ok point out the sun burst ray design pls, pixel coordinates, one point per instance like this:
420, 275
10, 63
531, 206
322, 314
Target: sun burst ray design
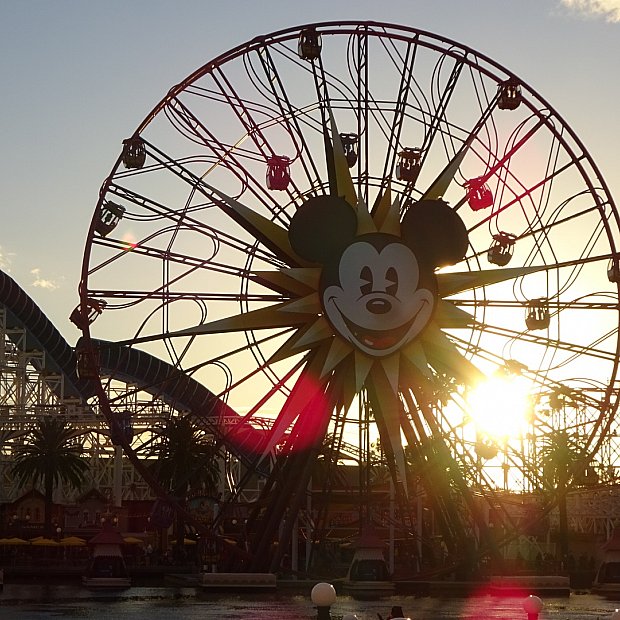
344, 181
413, 366
338, 351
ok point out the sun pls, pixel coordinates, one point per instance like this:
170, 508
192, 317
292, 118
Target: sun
367, 303
501, 405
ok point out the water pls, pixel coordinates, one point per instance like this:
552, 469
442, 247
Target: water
32, 602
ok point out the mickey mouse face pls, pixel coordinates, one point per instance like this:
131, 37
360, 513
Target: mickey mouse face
376, 302
378, 290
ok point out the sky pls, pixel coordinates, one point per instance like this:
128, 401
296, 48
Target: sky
79, 77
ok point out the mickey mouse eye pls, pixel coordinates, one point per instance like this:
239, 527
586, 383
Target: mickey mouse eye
391, 276
366, 278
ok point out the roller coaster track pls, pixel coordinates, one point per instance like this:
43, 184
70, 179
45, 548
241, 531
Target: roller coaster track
23, 316
34, 352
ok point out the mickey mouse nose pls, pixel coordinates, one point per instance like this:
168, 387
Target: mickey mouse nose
378, 306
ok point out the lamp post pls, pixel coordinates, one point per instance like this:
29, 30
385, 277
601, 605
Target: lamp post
323, 595
19, 524
532, 606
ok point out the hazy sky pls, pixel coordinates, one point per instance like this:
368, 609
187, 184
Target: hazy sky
78, 77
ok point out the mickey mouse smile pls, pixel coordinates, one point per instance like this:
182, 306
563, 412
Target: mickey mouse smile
376, 341
376, 303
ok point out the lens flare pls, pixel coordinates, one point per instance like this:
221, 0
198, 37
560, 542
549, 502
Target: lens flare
129, 241
501, 406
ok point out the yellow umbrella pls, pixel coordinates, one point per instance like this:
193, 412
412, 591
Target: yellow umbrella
132, 540
45, 542
14, 541
186, 541
72, 541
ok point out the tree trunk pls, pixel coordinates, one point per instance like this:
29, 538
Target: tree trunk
48, 489
179, 551
562, 489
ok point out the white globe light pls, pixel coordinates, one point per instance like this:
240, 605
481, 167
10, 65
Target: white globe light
323, 595
532, 604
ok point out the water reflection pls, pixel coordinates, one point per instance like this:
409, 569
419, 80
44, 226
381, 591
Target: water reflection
32, 602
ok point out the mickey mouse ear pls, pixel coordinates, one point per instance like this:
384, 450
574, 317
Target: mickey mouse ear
435, 232
322, 227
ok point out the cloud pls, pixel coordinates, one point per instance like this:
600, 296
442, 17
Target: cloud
5, 260
609, 10
40, 282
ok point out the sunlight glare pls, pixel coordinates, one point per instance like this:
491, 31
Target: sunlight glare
500, 406
129, 241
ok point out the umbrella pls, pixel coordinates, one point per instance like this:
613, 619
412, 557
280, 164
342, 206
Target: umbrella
132, 540
72, 541
45, 542
186, 541
13, 541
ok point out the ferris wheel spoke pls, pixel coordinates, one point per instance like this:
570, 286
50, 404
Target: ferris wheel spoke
309, 386
322, 97
177, 371
550, 343
281, 315
503, 162
273, 236
278, 387
554, 306
541, 237
489, 354
243, 115
439, 186
171, 296
526, 192
539, 228
254, 129
188, 220
163, 255
270, 234
217, 235
224, 153
395, 125
439, 114
360, 61
288, 114
338, 173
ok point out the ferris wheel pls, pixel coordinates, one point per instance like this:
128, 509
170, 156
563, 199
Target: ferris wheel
355, 225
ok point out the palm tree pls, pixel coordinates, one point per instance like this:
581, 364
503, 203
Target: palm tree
50, 454
559, 455
187, 460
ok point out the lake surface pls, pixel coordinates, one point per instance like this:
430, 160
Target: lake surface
35, 602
